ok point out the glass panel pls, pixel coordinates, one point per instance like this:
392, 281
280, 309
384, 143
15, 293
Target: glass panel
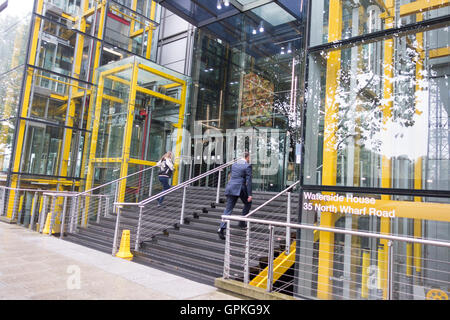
42, 149
374, 122
14, 29
357, 266
129, 31
342, 19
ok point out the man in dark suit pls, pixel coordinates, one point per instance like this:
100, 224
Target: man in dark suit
239, 186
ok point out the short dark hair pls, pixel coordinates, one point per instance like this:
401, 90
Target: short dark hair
246, 154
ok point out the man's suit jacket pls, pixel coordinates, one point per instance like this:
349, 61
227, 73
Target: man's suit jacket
241, 177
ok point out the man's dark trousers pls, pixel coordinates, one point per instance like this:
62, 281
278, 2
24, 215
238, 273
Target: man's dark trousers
231, 202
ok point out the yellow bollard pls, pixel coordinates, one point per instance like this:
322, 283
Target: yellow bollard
124, 250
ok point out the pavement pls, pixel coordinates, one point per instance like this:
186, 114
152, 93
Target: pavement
34, 266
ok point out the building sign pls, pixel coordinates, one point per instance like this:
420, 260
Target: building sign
349, 204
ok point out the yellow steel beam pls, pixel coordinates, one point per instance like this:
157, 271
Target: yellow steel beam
94, 132
132, 26
105, 160
329, 168
59, 97
26, 101
179, 141
439, 53
161, 74
128, 134
421, 6
113, 99
120, 80
280, 265
68, 17
159, 95
417, 246
386, 162
170, 86
142, 162
150, 31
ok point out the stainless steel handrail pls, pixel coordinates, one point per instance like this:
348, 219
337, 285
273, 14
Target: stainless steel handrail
142, 204
272, 224
177, 187
273, 198
343, 231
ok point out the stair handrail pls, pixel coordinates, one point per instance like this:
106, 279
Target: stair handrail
141, 205
177, 187
273, 198
114, 181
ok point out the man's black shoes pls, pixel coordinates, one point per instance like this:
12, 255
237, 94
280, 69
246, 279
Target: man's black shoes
220, 233
242, 226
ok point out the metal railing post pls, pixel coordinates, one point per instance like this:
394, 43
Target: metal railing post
15, 204
33, 211
247, 255
63, 218
52, 215
116, 232
218, 186
106, 206
2, 203
138, 231
73, 213
19, 210
182, 206
99, 209
390, 270
43, 215
226, 261
270, 261
288, 220
150, 189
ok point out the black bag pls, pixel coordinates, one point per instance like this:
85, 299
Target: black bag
164, 170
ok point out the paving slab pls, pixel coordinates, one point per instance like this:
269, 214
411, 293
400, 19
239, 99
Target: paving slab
34, 266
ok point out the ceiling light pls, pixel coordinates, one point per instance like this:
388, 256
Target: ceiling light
254, 31
289, 48
226, 3
261, 27
282, 50
219, 4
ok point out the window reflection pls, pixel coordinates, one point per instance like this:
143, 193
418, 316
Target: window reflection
376, 121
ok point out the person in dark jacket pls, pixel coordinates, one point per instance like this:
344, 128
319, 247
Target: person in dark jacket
165, 172
239, 186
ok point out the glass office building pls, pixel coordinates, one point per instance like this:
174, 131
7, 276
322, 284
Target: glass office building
351, 97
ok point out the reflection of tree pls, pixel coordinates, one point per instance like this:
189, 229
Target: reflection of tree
361, 96
13, 44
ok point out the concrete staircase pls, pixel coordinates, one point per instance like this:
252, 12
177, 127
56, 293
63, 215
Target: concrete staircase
193, 249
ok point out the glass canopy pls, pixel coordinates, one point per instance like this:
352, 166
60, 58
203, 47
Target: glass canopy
204, 12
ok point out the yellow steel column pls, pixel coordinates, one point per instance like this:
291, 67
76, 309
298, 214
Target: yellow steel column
132, 26
94, 131
128, 133
329, 168
386, 162
179, 141
150, 31
417, 251
26, 101
102, 8
77, 70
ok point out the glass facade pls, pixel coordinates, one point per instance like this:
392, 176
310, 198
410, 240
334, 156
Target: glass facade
376, 128
48, 54
349, 97
246, 75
